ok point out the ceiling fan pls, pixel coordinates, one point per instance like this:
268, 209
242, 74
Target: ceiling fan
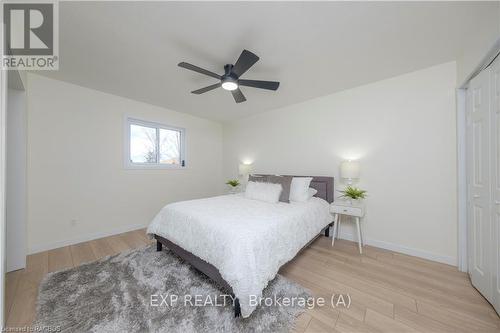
231, 79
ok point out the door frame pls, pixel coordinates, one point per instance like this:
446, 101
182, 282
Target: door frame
462, 253
461, 93
3, 109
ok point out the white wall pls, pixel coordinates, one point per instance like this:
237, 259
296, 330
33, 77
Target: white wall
403, 130
75, 164
16, 180
3, 111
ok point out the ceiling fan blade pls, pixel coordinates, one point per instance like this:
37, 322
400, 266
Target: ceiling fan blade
246, 60
204, 90
198, 70
269, 85
238, 96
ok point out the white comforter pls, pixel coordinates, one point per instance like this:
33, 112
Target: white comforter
246, 240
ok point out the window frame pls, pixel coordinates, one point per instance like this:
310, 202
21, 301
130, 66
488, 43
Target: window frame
129, 121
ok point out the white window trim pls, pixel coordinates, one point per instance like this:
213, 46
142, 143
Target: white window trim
145, 166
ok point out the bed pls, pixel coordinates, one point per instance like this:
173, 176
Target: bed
240, 243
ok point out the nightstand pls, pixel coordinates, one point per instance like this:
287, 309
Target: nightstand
345, 208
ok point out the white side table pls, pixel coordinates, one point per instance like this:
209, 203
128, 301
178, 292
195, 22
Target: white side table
354, 209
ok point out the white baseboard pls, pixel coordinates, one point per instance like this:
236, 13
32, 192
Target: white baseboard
403, 249
83, 238
373, 242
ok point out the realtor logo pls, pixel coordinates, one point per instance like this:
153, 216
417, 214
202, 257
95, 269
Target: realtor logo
30, 36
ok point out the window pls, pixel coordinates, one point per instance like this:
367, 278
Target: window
155, 146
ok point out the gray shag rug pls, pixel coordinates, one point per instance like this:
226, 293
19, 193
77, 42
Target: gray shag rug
114, 295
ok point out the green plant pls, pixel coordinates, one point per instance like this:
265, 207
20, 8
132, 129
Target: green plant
353, 193
233, 182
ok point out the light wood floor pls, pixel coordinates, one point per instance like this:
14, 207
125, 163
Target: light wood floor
390, 292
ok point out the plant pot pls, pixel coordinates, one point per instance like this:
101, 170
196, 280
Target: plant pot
353, 202
233, 189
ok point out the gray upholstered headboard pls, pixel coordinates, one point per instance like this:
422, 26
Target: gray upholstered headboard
324, 186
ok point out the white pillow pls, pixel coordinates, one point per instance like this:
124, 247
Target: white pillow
263, 191
299, 190
311, 192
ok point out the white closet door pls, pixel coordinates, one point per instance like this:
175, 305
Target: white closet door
478, 128
495, 175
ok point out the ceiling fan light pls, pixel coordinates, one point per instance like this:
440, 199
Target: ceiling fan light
229, 85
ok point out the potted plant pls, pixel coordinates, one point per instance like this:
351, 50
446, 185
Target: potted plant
233, 185
353, 193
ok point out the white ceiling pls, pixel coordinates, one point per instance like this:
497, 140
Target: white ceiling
132, 49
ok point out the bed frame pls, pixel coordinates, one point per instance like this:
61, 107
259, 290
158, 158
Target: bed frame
324, 186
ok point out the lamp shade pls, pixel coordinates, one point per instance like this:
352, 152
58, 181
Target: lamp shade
244, 169
349, 169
